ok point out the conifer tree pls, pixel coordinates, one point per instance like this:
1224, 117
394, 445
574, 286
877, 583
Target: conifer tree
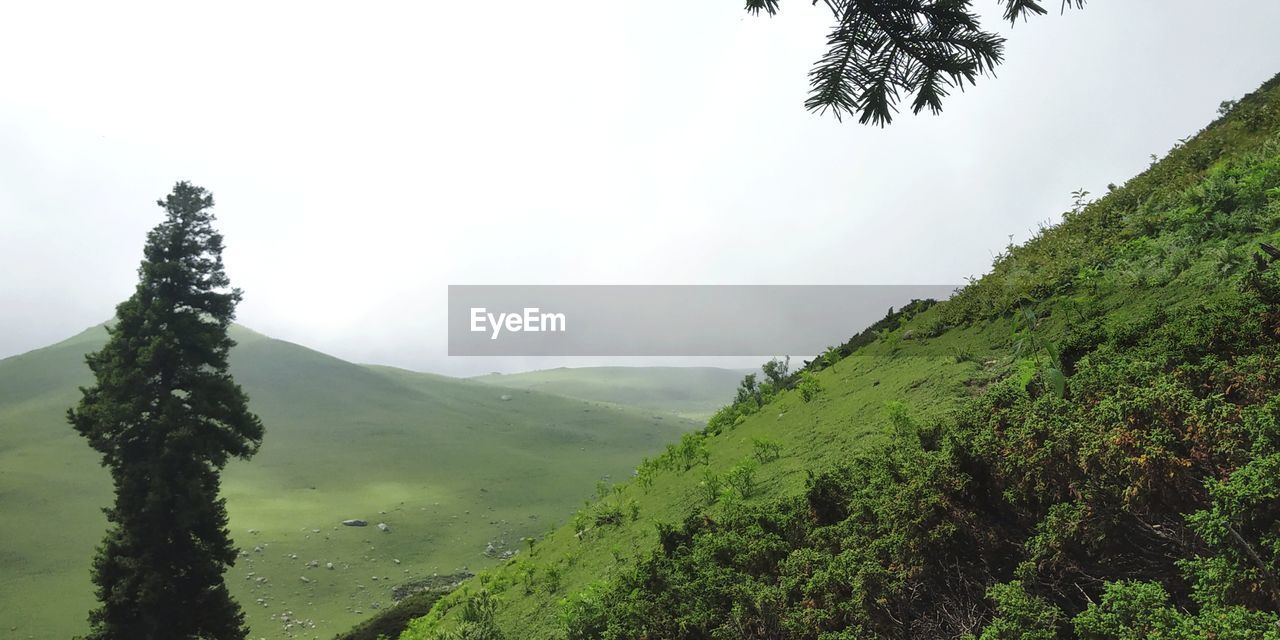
882, 49
167, 416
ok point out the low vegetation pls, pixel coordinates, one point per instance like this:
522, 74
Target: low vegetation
414, 451
1084, 443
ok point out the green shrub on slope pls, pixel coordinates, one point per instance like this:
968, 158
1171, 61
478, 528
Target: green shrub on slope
1134, 496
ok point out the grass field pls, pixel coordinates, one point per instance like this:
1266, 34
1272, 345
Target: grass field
847, 416
1174, 243
447, 464
693, 392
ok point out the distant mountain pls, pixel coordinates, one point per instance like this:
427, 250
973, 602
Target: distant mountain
694, 392
455, 468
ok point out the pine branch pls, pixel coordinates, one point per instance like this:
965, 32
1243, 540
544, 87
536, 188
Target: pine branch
882, 50
755, 6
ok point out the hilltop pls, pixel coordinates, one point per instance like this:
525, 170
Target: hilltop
1082, 443
459, 471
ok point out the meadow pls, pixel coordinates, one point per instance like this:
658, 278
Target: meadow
458, 471
1082, 443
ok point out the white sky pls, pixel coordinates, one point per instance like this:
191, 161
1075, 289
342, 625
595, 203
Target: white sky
364, 156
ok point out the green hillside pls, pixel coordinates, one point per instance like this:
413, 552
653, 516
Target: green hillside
694, 392
448, 465
1083, 443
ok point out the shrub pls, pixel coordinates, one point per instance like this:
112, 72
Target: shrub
765, 450
742, 478
808, 386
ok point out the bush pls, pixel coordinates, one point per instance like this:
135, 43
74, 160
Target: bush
765, 450
742, 478
808, 386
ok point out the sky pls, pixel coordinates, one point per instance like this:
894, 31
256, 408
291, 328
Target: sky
365, 156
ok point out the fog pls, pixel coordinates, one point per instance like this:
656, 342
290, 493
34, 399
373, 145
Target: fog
363, 159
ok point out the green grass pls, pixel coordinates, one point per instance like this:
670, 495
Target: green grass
446, 463
1172, 239
692, 392
847, 416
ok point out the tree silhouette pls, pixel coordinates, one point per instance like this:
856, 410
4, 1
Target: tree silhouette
167, 417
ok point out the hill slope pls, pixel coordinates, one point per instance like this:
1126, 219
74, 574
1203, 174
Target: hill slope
1085, 443
448, 464
693, 392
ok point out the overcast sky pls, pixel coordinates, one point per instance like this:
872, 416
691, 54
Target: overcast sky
365, 155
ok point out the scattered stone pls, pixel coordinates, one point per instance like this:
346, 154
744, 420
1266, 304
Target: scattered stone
382, 526
504, 397
355, 522
305, 579
328, 565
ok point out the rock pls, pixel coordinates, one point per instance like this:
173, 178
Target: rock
329, 566
305, 579
382, 526
396, 560
355, 522
504, 397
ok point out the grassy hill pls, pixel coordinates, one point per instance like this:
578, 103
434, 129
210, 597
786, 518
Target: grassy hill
448, 464
1083, 443
693, 392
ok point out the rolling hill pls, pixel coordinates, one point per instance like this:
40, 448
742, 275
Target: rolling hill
693, 392
1083, 443
459, 472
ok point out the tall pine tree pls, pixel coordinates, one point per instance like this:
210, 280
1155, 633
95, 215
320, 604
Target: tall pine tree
167, 417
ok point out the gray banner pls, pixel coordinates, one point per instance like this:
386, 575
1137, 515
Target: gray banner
667, 320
